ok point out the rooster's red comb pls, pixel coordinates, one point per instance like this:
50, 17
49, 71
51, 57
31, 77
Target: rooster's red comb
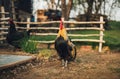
61, 24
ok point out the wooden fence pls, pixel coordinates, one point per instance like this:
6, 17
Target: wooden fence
3, 24
100, 29
28, 23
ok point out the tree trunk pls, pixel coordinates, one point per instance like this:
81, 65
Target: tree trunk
66, 8
69, 7
63, 6
98, 5
89, 9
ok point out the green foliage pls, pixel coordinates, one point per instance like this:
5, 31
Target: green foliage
115, 25
112, 39
28, 46
112, 36
43, 38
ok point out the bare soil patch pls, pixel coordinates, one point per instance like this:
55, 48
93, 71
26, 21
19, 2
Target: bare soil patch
88, 65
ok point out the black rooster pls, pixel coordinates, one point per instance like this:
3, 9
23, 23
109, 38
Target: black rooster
14, 37
64, 47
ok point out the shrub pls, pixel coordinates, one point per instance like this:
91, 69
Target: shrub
28, 46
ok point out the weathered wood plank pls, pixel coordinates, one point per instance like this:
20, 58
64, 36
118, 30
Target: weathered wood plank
2, 38
3, 33
101, 33
82, 35
73, 22
56, 28
3, 19
74, 40
4, 12
12, 60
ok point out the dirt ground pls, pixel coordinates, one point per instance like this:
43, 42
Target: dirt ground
88, 65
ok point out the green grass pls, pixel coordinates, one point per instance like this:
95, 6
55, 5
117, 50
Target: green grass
115, 25
43, 38
112, 36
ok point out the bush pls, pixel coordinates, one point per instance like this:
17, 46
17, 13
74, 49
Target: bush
28, 46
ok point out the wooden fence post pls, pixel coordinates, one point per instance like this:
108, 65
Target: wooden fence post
2, 16
13, 9
28, 24
101, 34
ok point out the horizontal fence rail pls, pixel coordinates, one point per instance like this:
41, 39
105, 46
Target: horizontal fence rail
85, 35
56, 28
2, 19
4, 12
69, 22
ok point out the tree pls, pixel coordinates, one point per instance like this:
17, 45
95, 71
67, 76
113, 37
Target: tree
66, 8
89, 7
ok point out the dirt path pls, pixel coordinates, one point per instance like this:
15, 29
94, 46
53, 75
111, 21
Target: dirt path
88, 65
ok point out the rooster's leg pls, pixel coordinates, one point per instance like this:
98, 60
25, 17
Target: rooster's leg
66, 63
63, 62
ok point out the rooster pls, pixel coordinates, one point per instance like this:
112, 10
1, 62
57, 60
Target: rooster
14, 37
64, 47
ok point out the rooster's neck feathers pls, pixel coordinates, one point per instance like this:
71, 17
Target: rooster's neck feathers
12, 28
61, 25
62, 31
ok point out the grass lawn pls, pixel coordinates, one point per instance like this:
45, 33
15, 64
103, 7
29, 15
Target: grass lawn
112, 36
